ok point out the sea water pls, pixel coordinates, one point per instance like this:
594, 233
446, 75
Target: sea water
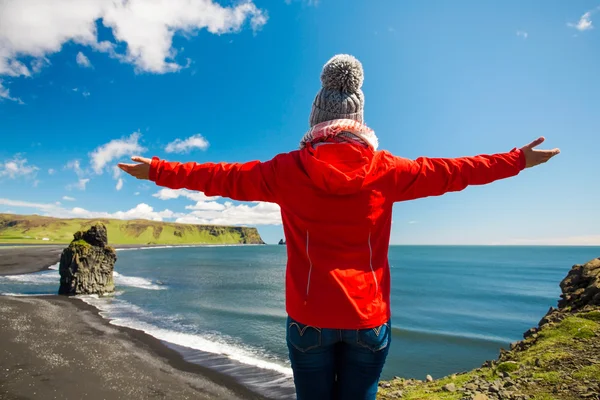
453, 306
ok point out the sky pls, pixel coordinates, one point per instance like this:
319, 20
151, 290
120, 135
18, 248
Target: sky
85, 84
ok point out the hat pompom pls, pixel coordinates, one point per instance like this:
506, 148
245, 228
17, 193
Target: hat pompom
343, 72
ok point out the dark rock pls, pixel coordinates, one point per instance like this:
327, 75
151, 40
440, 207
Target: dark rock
282, 242
86, 267
96, 236
581, 287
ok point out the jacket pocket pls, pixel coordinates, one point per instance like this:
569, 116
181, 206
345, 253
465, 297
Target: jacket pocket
374, 339
303, 337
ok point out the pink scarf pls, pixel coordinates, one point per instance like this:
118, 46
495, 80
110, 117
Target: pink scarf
336, 127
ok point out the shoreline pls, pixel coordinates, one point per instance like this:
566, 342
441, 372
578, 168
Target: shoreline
39, 351
20, 260
39, 257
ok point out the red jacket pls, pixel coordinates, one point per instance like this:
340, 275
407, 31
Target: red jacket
336, 204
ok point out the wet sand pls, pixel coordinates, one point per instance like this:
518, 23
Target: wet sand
54, 347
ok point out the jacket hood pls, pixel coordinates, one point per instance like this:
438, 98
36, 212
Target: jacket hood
337, 168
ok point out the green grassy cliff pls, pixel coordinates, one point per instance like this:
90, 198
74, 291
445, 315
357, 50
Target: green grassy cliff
29, 229
559, 359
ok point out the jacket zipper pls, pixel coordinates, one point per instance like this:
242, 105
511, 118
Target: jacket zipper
309, 269
371, 265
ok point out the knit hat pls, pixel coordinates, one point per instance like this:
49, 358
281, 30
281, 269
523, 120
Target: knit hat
341, 96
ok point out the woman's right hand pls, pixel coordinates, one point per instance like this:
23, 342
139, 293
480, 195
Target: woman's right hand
141, 170
536, 157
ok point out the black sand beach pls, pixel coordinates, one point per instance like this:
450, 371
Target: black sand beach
16, 260
53, 347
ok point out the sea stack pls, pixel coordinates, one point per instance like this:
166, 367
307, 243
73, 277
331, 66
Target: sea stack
86, 266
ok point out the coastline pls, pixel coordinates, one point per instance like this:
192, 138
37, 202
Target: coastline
39, 354
39, 257
50, 343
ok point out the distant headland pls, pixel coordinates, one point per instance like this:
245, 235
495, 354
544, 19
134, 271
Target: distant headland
35, 229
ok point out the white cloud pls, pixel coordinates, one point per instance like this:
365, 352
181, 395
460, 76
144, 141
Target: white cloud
169, 194
38, 64
227, 214
412, 222
136, 194
114, 150
523, 34
80, 184
5, 94
75, 165
17, 167
116, 172
67, 198
86, 94
83, 61
27, 204
51, 171
584, 23
208, 211
144, 29
206, 206
243, 214
119, 184
141, 211
186, 145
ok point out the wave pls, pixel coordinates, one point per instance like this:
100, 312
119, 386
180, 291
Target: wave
138, 282
52, 277
450, 337
38, 278
122, 313
55, 266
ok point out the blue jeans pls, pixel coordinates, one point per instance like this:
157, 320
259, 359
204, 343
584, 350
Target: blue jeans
340, 364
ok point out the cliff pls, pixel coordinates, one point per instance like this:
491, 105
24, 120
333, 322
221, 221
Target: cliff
558, 359
37, 229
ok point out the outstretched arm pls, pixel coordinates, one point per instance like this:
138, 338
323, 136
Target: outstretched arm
426, 177
252, 181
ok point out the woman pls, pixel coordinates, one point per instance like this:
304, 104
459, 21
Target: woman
336, 195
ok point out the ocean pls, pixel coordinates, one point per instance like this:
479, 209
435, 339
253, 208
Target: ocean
453, 307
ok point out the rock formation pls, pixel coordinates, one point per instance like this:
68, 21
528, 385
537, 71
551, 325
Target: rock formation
559, 359
581, 287
86, 266
282, 242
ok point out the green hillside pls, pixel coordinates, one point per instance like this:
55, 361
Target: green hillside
29, 229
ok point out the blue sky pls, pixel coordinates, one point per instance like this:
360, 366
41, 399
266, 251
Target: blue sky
86, 84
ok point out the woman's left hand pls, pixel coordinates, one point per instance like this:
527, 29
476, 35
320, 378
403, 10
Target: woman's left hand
140, 170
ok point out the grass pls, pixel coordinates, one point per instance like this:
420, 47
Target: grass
549, 377
592, 316
32, 229
591, 372
554, 343
81, 243
508, 366
434, 390
543, 396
